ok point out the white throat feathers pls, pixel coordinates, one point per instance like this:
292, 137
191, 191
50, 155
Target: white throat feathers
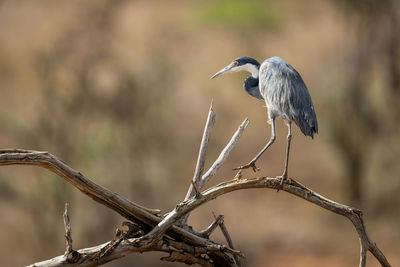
249, 68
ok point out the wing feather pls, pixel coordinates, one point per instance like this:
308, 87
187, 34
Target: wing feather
286, 95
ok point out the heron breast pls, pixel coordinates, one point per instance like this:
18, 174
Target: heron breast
277, 102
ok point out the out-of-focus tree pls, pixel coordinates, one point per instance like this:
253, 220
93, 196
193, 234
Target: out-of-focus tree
89, 105
359, 120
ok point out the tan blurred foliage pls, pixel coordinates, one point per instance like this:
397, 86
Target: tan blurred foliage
120, 91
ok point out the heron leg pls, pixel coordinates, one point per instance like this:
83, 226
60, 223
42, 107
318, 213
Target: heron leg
289, 138
252, 163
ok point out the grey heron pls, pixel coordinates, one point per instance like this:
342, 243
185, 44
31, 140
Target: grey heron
285, 94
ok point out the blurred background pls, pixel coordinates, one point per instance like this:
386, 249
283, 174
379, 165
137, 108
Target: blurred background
120, 91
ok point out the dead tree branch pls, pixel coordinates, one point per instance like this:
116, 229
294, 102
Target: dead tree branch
148, 231
224, 154
194, 187
207, 232
146, 218
70, 255
198, 181
8, 157
67, 225
228, 239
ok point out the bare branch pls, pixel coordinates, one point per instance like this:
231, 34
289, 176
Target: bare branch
224, 153
144, 217
114, 201
67, 226
121, 246
226, 234
228, 238
70, 255
291, 186
217, 164
202, 155
180, 257
207, 232
162, 233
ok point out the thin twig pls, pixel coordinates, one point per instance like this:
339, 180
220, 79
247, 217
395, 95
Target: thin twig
194, 188
228, 238
226, 235
67, 226
224, 154
70, 255
207, 232
216, 165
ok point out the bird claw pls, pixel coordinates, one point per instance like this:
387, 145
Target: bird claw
250, 164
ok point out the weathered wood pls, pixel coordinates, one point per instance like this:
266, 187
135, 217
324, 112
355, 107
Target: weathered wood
152, 232
224, 154
148, 242
145, 217
207, 232
194, 187
70, 255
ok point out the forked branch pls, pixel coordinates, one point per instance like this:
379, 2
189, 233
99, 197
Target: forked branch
148, 231
194, 187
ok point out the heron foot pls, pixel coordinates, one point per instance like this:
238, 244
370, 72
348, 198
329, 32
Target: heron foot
251, 164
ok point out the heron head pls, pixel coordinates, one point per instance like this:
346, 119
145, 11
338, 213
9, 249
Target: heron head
241, 63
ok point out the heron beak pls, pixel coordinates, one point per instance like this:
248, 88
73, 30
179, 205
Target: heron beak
227, 69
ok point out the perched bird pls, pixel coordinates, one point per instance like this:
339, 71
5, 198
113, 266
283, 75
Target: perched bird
284, 92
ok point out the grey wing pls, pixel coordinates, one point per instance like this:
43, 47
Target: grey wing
301, 108
287, 95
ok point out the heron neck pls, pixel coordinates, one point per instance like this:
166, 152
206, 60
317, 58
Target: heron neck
251, 87
253, 69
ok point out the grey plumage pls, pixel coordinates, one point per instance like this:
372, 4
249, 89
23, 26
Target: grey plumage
285, 94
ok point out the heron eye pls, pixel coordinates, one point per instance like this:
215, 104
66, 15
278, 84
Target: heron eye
235, 63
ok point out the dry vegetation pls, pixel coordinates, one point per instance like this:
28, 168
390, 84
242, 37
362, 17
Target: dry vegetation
119, 90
